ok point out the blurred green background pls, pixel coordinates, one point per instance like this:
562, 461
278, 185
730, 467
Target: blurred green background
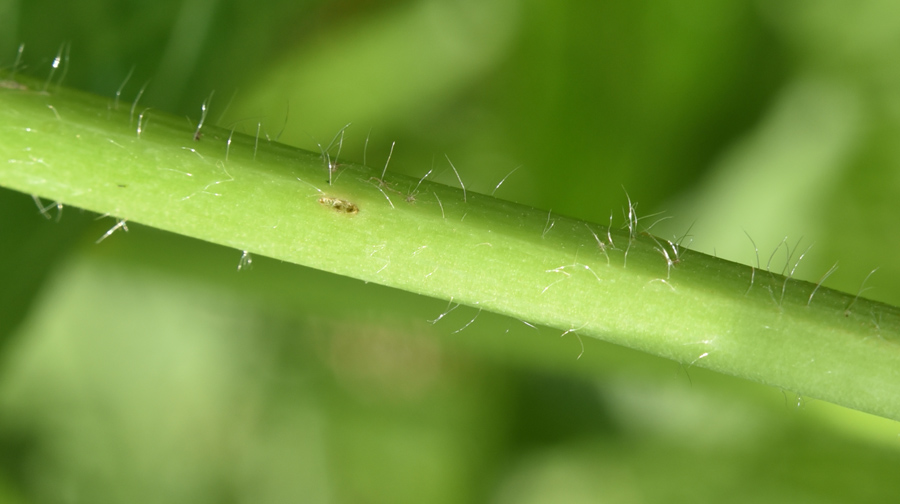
148, 368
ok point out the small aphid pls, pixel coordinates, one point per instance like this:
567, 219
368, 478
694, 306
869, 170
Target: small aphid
339, 205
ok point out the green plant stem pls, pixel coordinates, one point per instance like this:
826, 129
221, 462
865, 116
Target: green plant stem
619, 285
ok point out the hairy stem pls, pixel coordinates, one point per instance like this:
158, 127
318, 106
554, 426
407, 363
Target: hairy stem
620, 285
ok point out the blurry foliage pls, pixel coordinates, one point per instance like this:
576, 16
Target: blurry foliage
147, 369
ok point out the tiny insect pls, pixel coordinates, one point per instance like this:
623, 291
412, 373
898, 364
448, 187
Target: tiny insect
339, 205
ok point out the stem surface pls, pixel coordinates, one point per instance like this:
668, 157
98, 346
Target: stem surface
619, 285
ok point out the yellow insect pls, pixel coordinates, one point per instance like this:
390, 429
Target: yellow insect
339, 205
